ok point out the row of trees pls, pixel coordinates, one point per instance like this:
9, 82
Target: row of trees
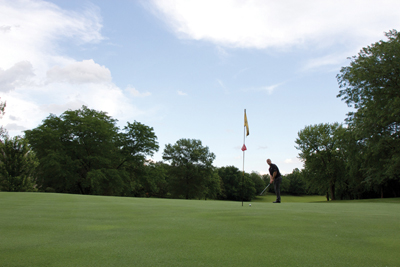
83, 151
361, 159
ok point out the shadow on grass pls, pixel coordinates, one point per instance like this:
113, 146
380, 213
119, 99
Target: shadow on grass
270, 197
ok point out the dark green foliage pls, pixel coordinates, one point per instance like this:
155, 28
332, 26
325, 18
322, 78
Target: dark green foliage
190, 170
17, 165
3, 132
371, 84
155, 180
214, 186
259, 183
83, 151
323, 160
297, 184
231, 179
266, 179
236, 184
363, 159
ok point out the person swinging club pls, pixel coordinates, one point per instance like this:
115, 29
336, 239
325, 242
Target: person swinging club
276, 178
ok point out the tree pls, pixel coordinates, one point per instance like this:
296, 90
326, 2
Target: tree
154, 182
190, 168
320, 151
83, 151
296, 183
371, 84
352, 151
266, 178
249, 187
236, 184
17, 165
3, 132
259, 183
214, 186
231, 178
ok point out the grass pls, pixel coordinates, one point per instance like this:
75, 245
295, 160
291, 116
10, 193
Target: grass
38, 229
298, 199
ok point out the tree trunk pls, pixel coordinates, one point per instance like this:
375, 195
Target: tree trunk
187, 188
332, 190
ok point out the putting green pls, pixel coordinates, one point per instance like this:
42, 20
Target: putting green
38, 229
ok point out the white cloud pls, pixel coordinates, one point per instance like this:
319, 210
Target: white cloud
5, 29
181, 93
288, 161
135, 93
268, 23
86, 71
221, 83
14, 127
293, 161
331, 60
269, 88
60, 108
32, 30
14, 76
222, 52
38, 79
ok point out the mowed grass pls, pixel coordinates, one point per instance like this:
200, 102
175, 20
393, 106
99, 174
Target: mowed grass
38, 229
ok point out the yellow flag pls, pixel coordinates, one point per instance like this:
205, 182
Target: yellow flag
246, 124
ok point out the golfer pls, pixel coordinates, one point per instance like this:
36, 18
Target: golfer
276, 178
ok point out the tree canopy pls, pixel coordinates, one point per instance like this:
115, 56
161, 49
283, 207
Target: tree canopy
320, 151
83, 151
371, 84
17, 165
3, 131
190, 167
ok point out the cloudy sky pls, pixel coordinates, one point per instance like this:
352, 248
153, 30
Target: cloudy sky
188, 68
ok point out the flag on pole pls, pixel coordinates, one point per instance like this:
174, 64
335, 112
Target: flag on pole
244, 148
246, 124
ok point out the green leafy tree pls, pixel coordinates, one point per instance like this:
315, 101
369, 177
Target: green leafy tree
190, 168
83, 151
352, 151
297, 185
249, 187
17, 165
371, 84
236, 184
155, 179
231, 178
3, 132
320, 151
214, 186
259, 183
266, 178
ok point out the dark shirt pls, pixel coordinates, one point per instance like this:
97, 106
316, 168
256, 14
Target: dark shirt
273, 168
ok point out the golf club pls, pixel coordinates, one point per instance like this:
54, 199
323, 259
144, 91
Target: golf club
264, 189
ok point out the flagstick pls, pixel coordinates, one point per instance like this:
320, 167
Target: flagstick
244, 143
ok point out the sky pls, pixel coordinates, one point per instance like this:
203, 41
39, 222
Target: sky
189, 69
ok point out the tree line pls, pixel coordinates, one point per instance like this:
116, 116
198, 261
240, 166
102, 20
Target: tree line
85, 152
360, 159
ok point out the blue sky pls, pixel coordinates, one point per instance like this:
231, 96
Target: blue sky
188, 68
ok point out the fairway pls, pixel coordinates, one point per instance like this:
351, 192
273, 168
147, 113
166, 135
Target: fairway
39, 229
